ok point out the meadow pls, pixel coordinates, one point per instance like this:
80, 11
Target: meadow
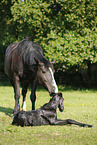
79, 104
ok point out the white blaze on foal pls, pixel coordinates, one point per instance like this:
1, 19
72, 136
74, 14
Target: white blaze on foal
53, 80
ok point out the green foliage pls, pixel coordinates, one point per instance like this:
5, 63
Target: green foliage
29, 18
6, 28
66, 30
72, 48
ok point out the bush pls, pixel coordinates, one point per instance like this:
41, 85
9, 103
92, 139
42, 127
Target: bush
66, 30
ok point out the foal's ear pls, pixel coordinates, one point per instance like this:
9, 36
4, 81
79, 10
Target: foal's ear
60, 94
52, 94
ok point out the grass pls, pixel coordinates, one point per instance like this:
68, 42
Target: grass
80, 105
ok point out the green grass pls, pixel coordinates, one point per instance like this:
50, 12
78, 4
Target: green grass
80, 105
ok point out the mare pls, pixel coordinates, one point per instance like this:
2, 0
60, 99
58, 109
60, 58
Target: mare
26, 64
45, 115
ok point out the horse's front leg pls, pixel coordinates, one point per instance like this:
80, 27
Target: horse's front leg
33, 93
24, 92
15, 84
70, 121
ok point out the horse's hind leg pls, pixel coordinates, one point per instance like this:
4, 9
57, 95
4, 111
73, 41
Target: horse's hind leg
24, 91
15, 84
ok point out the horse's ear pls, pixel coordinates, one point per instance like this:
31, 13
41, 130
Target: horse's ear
39, 62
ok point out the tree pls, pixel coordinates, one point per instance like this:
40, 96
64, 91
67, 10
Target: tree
66, 30
6, 28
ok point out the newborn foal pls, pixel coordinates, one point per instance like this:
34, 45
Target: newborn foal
46, 115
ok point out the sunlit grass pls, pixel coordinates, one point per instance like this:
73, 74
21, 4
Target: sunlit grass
80, 105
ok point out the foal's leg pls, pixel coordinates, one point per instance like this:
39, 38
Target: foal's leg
33, 94
69, 121
24, 91
15, 84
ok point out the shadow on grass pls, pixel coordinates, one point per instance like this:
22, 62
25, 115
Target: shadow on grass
7, 111
41, 88
5, 83
61, 88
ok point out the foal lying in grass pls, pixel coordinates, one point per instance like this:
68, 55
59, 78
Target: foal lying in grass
46, 115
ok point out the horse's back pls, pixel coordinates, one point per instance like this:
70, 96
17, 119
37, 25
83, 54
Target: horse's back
22, 58
11, 48
8, 56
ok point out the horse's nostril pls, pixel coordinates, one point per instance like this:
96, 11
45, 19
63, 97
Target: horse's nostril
53, 89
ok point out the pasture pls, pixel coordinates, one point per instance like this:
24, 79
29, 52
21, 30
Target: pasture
80, 105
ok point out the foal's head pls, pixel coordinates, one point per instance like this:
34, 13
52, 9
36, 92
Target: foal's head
59, 100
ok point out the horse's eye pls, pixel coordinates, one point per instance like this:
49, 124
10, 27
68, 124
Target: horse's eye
43, 72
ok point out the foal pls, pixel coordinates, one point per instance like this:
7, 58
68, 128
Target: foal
46, 115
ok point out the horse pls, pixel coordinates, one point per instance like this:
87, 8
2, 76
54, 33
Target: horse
26, 64
45, 115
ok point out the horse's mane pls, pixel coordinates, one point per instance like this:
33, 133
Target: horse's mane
31, 52
28, 44
11, 48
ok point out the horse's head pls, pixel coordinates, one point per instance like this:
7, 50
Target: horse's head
45, 75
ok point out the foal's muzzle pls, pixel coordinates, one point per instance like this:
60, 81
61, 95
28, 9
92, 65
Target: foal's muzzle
61, 109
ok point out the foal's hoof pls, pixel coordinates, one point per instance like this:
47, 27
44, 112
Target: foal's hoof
87, 125
90, 126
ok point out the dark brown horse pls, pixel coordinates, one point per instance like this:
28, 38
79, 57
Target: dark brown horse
25, 63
